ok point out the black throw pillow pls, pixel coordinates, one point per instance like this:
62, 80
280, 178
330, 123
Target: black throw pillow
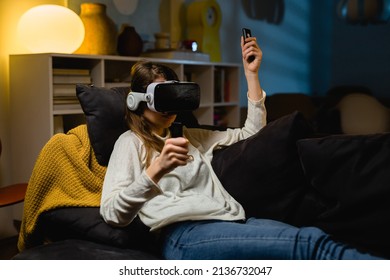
264, 173
105, 111
353, 172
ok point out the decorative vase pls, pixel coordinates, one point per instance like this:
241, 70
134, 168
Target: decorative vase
100, 31
163, 41
129, 41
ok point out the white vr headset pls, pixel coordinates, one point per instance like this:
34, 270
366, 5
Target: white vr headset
168, 96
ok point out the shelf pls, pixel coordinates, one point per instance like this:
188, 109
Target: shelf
68, 111
223, 104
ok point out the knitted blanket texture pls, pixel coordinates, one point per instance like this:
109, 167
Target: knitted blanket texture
66, 174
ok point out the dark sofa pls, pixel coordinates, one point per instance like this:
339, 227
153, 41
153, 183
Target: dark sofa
305, 177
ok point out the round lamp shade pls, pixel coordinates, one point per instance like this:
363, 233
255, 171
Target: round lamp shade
51, 28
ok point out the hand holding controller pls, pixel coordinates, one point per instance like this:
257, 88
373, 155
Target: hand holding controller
177, 131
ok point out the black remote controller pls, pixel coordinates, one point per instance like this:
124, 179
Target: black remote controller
176, 129
246, 33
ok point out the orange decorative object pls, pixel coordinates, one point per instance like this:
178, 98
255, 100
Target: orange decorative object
204, 19
100, 31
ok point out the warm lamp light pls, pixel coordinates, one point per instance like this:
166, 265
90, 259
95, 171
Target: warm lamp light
51, 28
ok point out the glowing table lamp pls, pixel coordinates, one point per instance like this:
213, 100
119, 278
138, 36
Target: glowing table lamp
51, 28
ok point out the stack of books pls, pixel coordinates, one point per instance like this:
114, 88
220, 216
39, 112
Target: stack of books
221, 86
64, 86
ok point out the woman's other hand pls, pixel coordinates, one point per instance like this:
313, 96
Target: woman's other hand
251, 54
251, 59
173, 154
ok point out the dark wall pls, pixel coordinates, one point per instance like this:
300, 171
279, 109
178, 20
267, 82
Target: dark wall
348, 54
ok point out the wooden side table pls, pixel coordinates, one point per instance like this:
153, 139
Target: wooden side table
12, 194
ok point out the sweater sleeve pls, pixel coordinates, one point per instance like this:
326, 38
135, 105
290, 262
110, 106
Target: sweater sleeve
126, 186
207, 140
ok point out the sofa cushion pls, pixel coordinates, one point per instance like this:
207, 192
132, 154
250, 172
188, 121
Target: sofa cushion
264, 173
85, 223
74, 249
352, 171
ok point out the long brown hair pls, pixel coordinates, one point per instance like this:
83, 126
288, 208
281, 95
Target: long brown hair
144, 73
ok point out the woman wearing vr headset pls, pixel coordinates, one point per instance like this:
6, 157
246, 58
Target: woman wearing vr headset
170, 184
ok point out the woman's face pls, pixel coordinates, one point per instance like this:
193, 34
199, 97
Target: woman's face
160, 121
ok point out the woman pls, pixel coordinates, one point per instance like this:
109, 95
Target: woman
170, 184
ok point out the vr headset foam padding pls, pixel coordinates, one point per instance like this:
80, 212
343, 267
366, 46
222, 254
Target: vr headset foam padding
169, 96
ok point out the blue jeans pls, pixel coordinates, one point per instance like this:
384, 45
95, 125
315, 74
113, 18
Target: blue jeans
253, 239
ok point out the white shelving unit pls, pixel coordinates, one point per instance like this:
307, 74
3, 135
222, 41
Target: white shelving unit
35, 115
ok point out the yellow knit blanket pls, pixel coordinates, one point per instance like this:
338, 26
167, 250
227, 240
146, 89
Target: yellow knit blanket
66, 173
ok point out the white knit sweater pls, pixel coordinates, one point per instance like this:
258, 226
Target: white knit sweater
191, 192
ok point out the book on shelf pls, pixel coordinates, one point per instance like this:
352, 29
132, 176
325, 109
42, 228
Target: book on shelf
72, 120
65, 100
222, 86
219, 84
187, 77
58, 124
64, 90
67, 106
118, 84
73, 71
71, 79
220, 117
227, 91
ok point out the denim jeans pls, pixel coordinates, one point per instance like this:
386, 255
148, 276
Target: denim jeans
253, 239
